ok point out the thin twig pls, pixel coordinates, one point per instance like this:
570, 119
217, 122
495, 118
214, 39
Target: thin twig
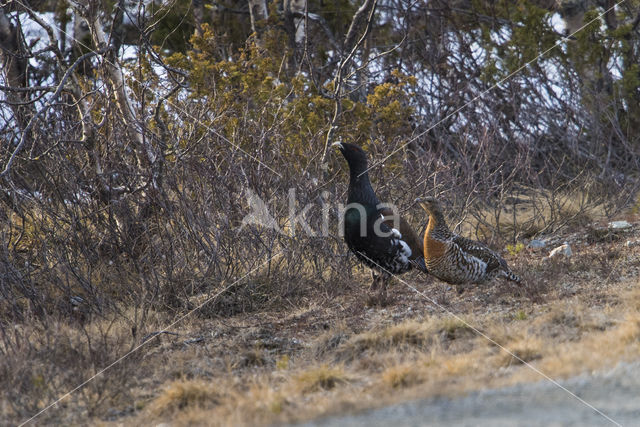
33, 120
370, 7
156, 333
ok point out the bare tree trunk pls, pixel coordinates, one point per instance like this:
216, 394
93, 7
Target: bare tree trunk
130, 218
258, 12
13, 57
198, 15
79, 44
146, 154
363, 16
295, 13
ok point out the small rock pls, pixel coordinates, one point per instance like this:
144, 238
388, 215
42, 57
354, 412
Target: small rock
632, 243
537, 244
76, 300
619, 225
562, 250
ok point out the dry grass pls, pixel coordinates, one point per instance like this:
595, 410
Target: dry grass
411, 334
523, 350
318, 358
401, 376
185, 395
535, 211
321, 378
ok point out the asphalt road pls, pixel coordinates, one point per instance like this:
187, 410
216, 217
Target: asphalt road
616, 393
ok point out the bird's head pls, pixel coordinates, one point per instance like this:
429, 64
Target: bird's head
355, 156
429, 204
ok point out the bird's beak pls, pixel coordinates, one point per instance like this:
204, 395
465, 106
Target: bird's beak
337, 145
424, 203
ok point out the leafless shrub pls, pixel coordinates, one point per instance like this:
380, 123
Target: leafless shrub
124, 190
536, 282
43, 364
137, 198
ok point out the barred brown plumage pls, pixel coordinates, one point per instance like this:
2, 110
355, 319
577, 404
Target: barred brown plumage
455, 259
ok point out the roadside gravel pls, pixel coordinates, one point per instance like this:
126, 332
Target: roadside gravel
616, 393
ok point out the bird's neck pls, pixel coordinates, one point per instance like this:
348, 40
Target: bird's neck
360, 190
437, 227
435, 237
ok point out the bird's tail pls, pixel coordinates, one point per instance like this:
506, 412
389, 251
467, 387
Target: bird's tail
511, 276
419, 264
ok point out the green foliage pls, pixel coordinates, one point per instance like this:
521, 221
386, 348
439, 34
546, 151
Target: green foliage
592, 55
174, 27
515, 249
255, 86
630, 81
528, 39
389, 104
520, 315
338, 13
588, 49
283, 363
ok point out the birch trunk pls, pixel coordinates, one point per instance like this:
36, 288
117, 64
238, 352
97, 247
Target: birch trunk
296, 9
258, 12
14, 68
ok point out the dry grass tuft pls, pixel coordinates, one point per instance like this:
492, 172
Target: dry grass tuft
453, 328
185, 394
592, 352
461, 364
411, 334
632, 300
566, 315
401, 376
327, 342
524, 350
252, 357
628, 332
320, 378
